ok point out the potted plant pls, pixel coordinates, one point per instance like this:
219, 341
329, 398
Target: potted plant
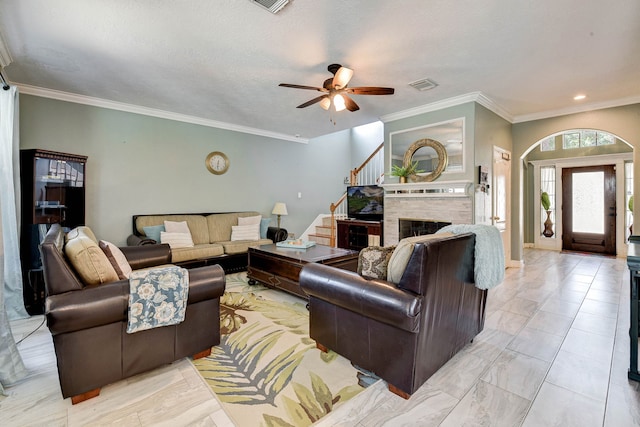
403, 172
630, 206
545, 201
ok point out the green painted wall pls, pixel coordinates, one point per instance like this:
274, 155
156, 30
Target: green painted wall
490, 131
140, 164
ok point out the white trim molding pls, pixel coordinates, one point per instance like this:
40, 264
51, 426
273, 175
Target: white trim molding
576, 109
450, 102
152, 112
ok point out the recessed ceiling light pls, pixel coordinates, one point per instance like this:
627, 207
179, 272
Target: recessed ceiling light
579, 97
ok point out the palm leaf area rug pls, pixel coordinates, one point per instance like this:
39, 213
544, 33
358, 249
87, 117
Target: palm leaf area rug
266, 370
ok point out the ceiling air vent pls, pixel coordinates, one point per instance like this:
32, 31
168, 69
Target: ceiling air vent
423, 84
272, 6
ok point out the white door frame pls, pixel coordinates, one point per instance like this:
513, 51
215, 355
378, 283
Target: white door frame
499, 155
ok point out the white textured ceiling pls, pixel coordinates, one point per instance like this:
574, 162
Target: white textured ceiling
222, 60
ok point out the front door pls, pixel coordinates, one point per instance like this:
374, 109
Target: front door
589, 209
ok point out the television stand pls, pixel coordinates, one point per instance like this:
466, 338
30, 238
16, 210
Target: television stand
357, 234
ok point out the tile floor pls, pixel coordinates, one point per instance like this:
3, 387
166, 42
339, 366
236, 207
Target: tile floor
554, 352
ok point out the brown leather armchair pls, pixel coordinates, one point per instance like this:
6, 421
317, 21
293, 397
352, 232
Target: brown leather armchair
88, 323
401, 332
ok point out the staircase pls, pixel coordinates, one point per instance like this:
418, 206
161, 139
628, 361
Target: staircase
371, 171
322, 236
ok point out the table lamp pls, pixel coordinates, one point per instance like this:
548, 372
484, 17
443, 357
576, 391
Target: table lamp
279, 209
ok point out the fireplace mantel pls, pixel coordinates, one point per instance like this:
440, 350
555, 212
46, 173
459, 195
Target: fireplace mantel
430, 189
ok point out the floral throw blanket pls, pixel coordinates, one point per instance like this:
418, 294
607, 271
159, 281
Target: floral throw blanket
157, 297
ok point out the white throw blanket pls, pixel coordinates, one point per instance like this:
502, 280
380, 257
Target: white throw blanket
489, 253
157, 297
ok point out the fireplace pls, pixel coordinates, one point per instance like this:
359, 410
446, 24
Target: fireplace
443, 202
409, 227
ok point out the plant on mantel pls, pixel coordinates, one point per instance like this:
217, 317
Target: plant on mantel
403, 172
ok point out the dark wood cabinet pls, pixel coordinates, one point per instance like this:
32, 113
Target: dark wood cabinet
52, 192
357, 234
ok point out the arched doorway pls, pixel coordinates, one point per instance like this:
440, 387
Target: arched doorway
562, 165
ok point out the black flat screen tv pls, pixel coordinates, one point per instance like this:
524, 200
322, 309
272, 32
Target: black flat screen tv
365, 202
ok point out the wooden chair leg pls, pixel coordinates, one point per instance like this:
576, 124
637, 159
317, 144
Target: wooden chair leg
322, 348
395, 390
202, 354
84, 396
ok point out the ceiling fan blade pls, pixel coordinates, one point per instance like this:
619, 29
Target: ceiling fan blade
350, 103
342, 77
313, 101
319, 89
370, 90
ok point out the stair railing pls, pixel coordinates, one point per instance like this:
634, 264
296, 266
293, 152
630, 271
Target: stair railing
369, 172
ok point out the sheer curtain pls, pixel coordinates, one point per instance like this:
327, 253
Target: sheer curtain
11, 303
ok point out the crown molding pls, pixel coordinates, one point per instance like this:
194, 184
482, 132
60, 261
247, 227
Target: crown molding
5, 55
489, 104
450, 102
582, 108
152, 112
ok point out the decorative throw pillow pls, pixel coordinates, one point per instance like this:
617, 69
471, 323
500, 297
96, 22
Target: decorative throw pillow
245, 232
402, 254
249, 220
264, 226
153, 231
373, 261
176, 240
89, 261
399, 260
177, 227
116, 258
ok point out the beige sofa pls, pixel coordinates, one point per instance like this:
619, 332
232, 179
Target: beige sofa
212, 238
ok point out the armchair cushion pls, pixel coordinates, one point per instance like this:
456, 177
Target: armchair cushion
373, 261
86, 257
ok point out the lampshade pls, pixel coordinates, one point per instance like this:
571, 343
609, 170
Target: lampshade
325, 103
279, 209
342, 77
338, 102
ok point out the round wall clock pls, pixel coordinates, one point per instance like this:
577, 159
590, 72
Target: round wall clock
217, 162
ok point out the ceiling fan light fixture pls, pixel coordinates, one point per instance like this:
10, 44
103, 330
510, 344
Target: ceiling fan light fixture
338, 102
325, 103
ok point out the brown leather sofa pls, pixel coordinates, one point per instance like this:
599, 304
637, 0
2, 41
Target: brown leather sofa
88, 323
402, 332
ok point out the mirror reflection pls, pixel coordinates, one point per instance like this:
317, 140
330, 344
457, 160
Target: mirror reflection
450, 134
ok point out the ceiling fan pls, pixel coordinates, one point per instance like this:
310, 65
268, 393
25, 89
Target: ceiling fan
336, 91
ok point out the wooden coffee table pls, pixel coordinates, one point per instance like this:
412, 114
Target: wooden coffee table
279, 268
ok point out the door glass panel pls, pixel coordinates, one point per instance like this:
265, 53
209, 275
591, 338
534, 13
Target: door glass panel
588, 202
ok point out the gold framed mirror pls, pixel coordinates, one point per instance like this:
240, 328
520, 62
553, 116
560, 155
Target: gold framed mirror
432, 157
